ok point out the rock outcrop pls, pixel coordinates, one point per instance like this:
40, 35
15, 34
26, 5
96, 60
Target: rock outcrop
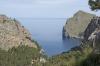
76, 25
84, 26
92, 28
13, 34
92, 33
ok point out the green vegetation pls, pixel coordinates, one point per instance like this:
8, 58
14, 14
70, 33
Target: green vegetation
84, 57
36, 43
71, 58
28, 56
92, 60
94, 4
20, 56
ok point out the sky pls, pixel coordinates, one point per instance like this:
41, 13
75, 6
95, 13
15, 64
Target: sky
43, 8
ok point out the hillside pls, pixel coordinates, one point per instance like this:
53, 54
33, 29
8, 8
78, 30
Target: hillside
13, 34
16, 46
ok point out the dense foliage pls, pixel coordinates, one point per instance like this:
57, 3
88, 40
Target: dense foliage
71, 58
94, 4
20, 56
27, 56
92, 60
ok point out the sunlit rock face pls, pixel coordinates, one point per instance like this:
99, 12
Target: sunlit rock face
13, 34
76, 25
84, 26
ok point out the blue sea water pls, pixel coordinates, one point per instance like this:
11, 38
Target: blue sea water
48, 33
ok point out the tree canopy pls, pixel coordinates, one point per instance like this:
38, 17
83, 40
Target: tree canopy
94, 4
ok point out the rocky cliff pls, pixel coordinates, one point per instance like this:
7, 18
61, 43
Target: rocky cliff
84, 26
13, 34
76, 25
92, 33
88, 53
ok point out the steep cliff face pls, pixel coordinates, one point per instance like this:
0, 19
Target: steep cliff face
76, 25
92, 28
84, 26
13, 34
88, 53
92, 33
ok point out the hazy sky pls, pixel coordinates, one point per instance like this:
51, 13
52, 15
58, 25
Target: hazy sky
43, 8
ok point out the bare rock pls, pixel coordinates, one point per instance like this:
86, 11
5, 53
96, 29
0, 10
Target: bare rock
76, 25
13, 34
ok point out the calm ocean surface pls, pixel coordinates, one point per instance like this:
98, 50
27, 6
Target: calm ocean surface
48, 33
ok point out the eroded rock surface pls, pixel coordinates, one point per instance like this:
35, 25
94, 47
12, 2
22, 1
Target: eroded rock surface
76, 25
13, 34
92, 33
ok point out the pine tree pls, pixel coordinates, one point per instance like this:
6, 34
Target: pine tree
94, 4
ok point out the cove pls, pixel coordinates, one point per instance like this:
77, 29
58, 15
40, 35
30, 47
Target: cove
48, 33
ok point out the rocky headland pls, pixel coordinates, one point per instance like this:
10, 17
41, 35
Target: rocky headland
76, 25
84, 26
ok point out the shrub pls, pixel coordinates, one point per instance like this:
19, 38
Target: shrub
20, 56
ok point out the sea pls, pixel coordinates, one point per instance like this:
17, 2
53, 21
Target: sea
48, 33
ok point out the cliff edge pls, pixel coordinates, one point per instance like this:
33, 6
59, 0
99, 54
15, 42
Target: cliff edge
13, 34
76, 25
